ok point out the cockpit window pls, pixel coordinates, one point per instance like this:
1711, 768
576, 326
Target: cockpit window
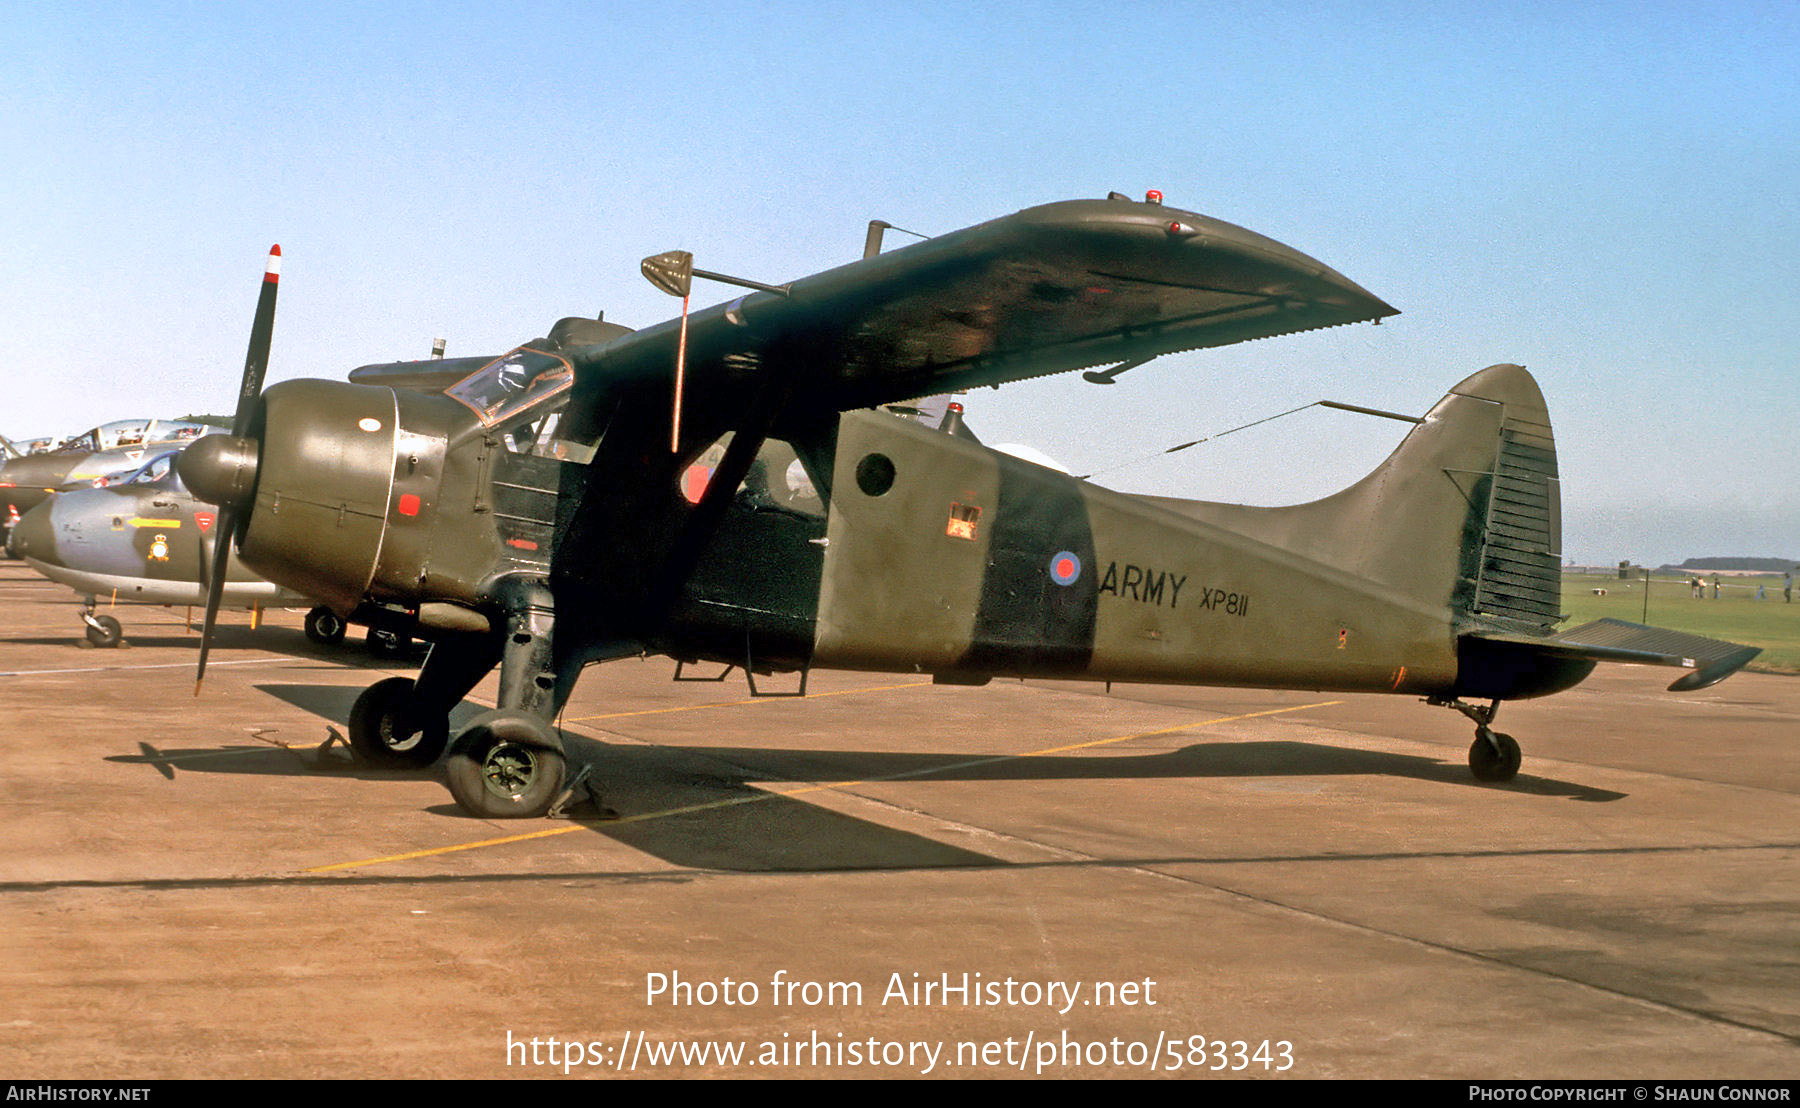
154, 471
510, 385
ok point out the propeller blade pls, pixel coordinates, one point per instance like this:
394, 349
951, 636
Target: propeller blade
215, 588
256, 365
262, 331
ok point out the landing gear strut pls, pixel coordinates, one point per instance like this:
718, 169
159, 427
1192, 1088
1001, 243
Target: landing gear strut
1493, 756
509, 763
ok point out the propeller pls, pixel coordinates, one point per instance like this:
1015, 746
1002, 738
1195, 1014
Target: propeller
256, 364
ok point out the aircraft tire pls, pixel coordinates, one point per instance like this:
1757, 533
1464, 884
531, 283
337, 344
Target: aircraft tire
384, 730
108, 634
1488, 764
325, 626
506, 765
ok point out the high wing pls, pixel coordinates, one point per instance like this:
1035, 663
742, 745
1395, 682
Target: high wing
1053, 288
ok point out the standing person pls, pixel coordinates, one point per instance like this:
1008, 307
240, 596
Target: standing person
1787, 588
1715, 586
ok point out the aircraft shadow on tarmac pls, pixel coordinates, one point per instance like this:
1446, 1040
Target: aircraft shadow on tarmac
722, 808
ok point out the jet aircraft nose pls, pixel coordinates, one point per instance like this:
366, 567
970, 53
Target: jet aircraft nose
34, 536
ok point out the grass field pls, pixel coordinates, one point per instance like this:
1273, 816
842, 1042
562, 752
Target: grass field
1737, 616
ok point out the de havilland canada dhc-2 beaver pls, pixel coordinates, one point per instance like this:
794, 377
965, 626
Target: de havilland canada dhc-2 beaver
528, 511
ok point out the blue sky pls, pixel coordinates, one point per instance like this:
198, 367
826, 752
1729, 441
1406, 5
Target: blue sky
1606, 193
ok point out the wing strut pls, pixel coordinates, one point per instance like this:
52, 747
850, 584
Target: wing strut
674, 273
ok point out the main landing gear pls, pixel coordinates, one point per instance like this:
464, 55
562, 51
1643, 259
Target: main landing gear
391, 727
1493, 756
507, 763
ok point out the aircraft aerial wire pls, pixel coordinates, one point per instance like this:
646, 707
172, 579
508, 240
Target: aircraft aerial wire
1357, 408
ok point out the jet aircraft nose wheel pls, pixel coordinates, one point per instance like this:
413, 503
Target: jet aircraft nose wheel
325, 626
1494, 756
388, 727
105, 631
506, 765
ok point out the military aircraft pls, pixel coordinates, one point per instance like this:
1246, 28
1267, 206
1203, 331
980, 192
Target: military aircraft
542, 546
145, 539
105, 453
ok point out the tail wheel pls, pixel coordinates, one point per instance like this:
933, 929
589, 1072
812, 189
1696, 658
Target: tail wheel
389, 728
325, 626
105, 631
1494, 756
506, 765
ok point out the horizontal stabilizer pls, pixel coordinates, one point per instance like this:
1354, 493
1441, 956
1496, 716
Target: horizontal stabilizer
1614, 640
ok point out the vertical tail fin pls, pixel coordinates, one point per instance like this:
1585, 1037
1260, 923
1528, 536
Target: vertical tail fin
1465, 513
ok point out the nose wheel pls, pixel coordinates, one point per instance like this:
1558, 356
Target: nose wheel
325, 626
104, 631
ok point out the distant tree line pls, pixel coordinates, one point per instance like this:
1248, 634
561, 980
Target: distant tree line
1762, 565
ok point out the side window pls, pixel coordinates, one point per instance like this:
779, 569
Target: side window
776, 480
541, 438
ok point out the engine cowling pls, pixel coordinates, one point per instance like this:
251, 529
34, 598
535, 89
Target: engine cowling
326, 481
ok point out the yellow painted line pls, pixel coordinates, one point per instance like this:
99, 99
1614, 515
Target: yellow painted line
168, 524
748, 700
777, 795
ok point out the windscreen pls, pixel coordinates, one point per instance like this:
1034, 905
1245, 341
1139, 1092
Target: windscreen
513, 384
